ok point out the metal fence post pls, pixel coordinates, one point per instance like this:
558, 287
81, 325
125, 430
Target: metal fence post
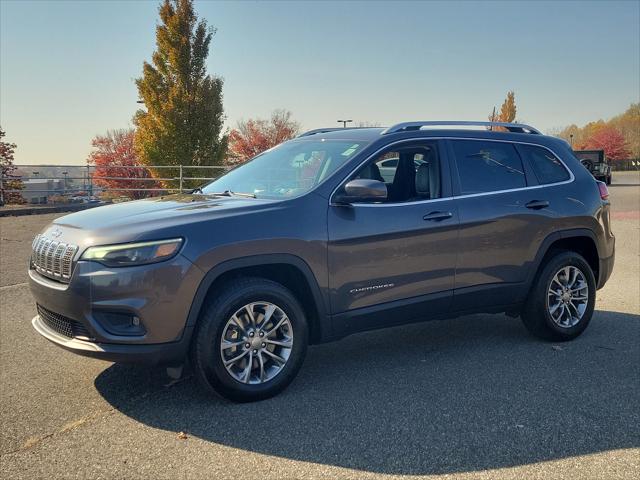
180, 178
90, 180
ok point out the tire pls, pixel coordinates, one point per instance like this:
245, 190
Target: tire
266, 376
587, 164
558, 326
608, 181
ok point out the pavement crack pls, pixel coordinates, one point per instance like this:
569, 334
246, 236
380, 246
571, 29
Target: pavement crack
33, 442
13, 285
67, 427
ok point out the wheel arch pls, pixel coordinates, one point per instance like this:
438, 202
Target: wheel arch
289, 270
582, 241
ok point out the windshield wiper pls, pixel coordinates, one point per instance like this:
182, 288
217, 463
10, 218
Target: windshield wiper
229, 193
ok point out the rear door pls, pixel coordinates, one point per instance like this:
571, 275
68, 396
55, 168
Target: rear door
504, 216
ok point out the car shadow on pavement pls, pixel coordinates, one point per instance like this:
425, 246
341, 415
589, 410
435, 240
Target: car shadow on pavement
460, 395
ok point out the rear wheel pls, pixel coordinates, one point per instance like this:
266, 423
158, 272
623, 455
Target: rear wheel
251, 340
562, 299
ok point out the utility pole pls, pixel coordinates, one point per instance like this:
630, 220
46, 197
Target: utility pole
344, 122
493, 117
64, 187
571, 139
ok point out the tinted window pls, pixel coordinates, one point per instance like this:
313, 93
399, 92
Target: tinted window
547, 167
488, 166
390, 163
410, 173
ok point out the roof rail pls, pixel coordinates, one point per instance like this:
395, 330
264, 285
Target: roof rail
320, 130
328, 129
512, 127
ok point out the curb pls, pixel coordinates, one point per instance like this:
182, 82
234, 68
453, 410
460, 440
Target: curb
18, 212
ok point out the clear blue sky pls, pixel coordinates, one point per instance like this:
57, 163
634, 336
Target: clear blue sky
68, 67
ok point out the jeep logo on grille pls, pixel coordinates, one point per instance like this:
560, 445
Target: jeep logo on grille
56, 232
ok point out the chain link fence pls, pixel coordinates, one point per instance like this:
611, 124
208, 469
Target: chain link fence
77, 183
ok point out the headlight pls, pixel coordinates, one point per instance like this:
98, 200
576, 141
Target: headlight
129, 254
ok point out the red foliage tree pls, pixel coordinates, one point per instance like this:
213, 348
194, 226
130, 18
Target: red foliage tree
610, 140
254, 136
10, 181
114, 156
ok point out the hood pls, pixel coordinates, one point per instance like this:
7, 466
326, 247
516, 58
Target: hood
129, 221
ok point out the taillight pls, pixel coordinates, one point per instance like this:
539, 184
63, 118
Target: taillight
604, 191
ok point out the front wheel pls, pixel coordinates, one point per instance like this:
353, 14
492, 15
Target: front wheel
251, 340
562, 298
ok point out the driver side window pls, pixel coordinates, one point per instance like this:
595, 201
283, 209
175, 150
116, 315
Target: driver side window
410, 173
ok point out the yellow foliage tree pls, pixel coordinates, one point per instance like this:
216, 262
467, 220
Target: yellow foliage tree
507, 113
183, 116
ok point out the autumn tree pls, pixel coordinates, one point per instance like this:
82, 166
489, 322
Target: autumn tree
183, 116
507, 111
254, 136
10, 181
114, 155
627, 124
611, 141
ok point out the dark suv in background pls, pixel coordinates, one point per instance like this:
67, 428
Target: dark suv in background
310, 242
596, 162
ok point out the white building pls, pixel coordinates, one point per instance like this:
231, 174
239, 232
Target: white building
38, 190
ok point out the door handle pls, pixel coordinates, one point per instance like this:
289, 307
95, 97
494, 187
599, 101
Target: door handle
537, 204
437, 216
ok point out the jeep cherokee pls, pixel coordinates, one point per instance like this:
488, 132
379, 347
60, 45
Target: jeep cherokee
309, 242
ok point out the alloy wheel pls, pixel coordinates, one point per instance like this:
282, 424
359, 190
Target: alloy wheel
256, 342
567, 296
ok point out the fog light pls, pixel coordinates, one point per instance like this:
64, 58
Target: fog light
118, 323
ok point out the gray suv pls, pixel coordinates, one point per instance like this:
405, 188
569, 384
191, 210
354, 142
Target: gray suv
309, 242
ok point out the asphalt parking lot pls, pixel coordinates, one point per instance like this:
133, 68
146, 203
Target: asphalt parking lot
473, 397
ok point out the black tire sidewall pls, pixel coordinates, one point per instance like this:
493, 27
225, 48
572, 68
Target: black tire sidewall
541, 311
208, 360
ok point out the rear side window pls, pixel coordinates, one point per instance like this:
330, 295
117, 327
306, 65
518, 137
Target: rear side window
546, 166
488, 166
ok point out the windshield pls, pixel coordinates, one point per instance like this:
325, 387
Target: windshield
288, 170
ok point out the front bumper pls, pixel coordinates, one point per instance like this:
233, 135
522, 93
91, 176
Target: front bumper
159, 296
154, 354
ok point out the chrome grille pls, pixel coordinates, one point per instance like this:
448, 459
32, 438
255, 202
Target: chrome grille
52, 259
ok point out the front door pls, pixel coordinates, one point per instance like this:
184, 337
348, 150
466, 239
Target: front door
394, 262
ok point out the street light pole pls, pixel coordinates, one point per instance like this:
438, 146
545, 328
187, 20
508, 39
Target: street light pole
571, 139
344, 122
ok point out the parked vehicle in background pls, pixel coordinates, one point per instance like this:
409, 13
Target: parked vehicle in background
596, 162
309, 242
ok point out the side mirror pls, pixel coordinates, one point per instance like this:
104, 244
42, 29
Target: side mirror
362, 190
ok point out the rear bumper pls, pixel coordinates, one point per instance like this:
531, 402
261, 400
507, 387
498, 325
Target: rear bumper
605, 269
151, 354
